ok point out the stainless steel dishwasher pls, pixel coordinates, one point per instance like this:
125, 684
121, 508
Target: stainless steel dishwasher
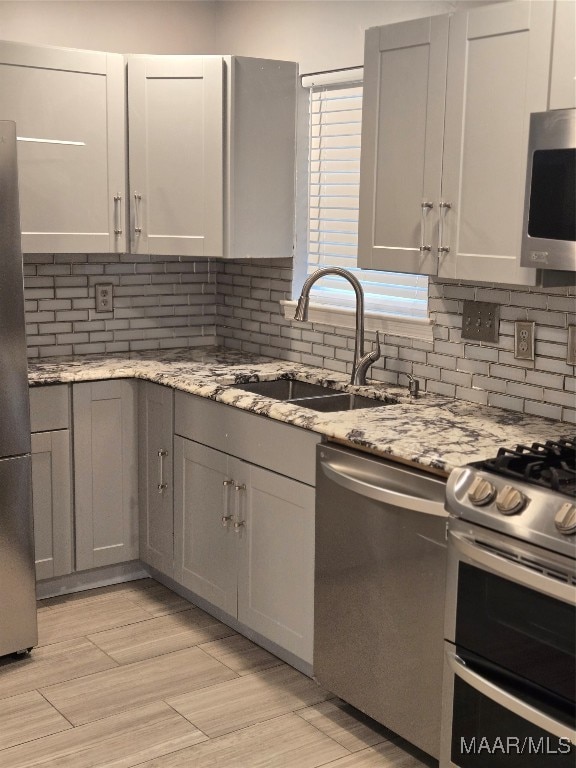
379, 590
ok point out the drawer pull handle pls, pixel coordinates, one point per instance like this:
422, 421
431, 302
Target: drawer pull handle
161, 485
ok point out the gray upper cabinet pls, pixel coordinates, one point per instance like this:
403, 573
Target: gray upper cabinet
176, 146
69, 110
105, 472
447, 104
563, 76
498, 73
402, 137
212, 155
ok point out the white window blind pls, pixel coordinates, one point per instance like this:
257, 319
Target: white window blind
334, 179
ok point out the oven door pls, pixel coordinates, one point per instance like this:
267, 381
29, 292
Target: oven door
509, 679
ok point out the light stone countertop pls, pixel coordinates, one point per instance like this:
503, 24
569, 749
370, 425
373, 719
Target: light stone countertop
434, 432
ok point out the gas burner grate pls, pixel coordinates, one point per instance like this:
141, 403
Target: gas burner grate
551, 464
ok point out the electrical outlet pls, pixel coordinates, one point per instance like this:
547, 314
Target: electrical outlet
104, 298
480, 321
524, 340
571, 355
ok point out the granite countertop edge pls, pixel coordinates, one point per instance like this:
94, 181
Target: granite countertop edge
433, 432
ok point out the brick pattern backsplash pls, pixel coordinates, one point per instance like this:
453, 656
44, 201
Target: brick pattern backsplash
168, 303
251, 319
158, 303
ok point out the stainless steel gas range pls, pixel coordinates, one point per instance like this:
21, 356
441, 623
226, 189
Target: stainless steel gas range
510, 627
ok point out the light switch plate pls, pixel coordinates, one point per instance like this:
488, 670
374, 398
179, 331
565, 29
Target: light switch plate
480, 321
104, 297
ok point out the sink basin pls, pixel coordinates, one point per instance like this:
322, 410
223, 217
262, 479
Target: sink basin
285, 389
313, 396
340, 402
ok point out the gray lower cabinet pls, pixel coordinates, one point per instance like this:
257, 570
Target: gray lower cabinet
244, 518
155, 476
51, 481
105, 472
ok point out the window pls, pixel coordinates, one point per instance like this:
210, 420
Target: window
335, 118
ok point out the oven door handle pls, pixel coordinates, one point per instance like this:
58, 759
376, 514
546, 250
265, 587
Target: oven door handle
511, 570
347, 480
507, 700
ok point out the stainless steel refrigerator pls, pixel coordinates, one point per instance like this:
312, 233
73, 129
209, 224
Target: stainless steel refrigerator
18, 629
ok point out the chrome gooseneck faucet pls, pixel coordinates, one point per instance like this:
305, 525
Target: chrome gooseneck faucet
362, 362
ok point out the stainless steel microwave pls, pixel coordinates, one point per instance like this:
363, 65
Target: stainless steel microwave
549, 230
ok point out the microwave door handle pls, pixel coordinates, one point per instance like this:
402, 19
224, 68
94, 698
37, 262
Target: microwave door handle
509, 570
413, 503
507, 700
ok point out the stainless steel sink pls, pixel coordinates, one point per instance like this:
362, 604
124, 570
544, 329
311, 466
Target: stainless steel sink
285, 389
313, 396
342, 401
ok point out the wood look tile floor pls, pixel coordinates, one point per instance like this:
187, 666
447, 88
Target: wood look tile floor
134, 675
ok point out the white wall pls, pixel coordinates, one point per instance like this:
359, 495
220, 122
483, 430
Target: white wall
119, 26
319, 34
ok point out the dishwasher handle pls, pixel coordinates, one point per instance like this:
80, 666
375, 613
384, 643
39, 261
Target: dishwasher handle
347, 479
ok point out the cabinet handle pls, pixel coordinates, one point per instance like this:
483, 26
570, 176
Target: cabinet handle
117, 214
444, 207
424, 208
137, 203
226, 518
161, 485
238, 524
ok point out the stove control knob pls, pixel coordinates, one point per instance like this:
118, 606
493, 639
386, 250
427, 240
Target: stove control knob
565, 519
481, 492
510, 501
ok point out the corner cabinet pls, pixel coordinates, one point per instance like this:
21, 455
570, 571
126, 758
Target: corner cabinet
69, 110
212, 155
244, 519
105, 472
442, 179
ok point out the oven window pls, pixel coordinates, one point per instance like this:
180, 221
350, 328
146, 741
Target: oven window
552, 212
486, 734
518, 629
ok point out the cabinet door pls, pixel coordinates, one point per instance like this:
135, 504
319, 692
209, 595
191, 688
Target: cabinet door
276, 560
69, 109
205, 557
498, 70
105, 473
402, 135
51, 503
176, 150
155, 437
563, 76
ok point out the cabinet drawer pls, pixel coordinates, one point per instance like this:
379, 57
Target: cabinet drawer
49, 408
271, 444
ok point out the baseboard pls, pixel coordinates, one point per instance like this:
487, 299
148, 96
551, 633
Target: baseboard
83, 580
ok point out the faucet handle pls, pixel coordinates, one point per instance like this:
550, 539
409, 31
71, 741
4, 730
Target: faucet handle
413, 385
